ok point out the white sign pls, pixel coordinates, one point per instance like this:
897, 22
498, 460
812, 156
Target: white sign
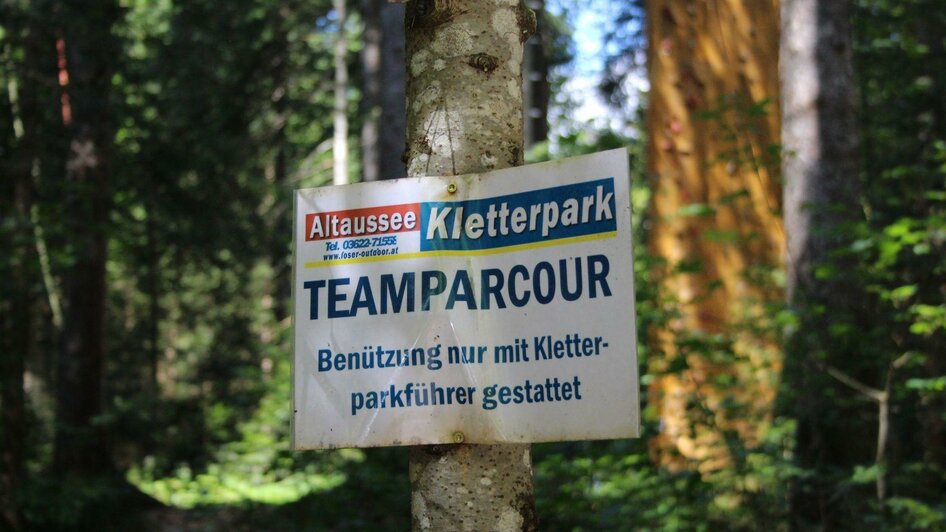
481, 308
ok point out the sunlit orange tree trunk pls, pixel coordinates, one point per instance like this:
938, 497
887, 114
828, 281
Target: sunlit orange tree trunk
714, 132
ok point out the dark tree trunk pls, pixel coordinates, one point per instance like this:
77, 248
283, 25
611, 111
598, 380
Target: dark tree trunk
90, 49
535, 81
370, 88
392, 136
16, 321
383, 100
821, 198
282, 217
154, 293
17, 329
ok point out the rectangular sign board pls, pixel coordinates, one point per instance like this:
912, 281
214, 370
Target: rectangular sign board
482, 308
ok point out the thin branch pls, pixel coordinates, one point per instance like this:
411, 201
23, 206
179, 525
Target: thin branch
842, 377
52, 289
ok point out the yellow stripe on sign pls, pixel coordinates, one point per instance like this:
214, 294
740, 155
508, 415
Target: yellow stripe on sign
465, 252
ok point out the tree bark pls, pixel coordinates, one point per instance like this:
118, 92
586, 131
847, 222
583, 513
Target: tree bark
340, 114
280, 220
716, 205
370, 88
392, 134
464, 115
16, 319
821, 196
383, 100
90, 48
535, 83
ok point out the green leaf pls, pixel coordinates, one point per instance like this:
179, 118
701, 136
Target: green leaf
902, 293
695, 210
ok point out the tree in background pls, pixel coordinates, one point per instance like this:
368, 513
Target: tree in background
383, 100
88, 49
220, 109
536, 90
821, 191
340, 140
714, 130
863, 375
18, 268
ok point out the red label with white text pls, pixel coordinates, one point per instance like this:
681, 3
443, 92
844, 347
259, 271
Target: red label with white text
362, 222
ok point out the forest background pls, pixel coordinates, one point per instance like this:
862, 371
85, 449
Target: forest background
148, 154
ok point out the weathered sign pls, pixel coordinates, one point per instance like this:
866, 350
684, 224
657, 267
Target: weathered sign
482, 308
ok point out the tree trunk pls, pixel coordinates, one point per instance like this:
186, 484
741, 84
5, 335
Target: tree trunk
340, 143
535, 83
17, 327
280, 219
714, 125
16, 318
393, 100
371, 88
464, 115
383, 101
821, 196
90, 49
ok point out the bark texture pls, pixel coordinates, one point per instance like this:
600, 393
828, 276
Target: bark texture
16, 311
819, 133
464, 90
714, 128
383, 98
535, 85
464, 115
821, 196
89, 50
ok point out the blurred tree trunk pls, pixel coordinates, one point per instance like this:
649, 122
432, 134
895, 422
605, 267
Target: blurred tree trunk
821, 197
714, 129
278, 171
340, 114
535, 82
464, 115
393, 99
90, 49
383, 100
16, 314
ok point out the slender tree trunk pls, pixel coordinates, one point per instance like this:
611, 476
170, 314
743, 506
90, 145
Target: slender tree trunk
383, 100
535, 83
392, 140
340, 145
154, 295
370, 88
90, 49
821, 195
282, 217
18, 323
464, 115
18, 329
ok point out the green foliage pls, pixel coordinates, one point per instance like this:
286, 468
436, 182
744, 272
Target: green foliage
891, 263
220, 109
